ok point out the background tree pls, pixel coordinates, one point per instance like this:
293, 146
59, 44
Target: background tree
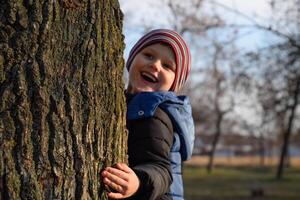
215, 92
277, 74
61, 97
272, 70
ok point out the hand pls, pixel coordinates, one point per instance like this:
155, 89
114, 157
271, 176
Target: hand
122, 180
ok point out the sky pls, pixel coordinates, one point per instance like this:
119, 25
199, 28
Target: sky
139, 13
259, 8
145, 8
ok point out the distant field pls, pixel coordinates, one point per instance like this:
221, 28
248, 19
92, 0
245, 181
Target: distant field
241, 161
237, 183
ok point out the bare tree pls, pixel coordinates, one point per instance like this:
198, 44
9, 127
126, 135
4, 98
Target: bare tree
277, 72
220, 107
285, 72
190, 17
61, 97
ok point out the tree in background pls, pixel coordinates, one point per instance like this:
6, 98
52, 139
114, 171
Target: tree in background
217, 100
273, 70
289, 67
277, 75
61, 97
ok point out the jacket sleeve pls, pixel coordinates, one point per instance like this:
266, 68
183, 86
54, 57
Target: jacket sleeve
149, 145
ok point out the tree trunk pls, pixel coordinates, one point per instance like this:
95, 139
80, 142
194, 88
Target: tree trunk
288, 131
215, 142
262, 149
62, 108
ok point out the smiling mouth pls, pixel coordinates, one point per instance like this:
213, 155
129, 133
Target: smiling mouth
149, 77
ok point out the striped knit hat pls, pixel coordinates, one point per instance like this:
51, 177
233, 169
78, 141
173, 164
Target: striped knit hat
181, 51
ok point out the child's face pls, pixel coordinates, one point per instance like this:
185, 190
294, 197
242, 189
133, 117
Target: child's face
152, 69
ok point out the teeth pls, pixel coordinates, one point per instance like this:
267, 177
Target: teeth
149, 76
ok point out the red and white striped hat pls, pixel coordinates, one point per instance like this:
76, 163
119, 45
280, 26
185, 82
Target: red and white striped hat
181, 51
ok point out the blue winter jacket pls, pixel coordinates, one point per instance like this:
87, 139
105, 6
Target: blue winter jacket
178, 108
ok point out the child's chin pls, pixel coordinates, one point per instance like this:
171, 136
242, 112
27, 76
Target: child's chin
138, 90
146, 90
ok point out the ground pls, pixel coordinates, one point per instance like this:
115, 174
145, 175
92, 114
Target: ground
240, 182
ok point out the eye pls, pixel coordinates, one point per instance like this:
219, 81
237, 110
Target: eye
148, 55
169, 66
166, 65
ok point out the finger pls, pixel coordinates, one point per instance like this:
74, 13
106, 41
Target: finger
104, 173
115, 179
117, 172
109, 189
113, 195
124, 167
113, 186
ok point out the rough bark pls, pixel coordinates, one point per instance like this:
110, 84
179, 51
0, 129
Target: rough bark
61, 97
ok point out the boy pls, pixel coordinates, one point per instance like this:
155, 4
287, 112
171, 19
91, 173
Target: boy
161, 130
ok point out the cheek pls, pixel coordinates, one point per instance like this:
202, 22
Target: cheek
131, 77
134, 67
169, 80
172, 78
131, 72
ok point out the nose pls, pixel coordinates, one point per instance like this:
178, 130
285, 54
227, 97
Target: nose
156, 64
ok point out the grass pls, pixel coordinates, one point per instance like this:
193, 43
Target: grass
236, 183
